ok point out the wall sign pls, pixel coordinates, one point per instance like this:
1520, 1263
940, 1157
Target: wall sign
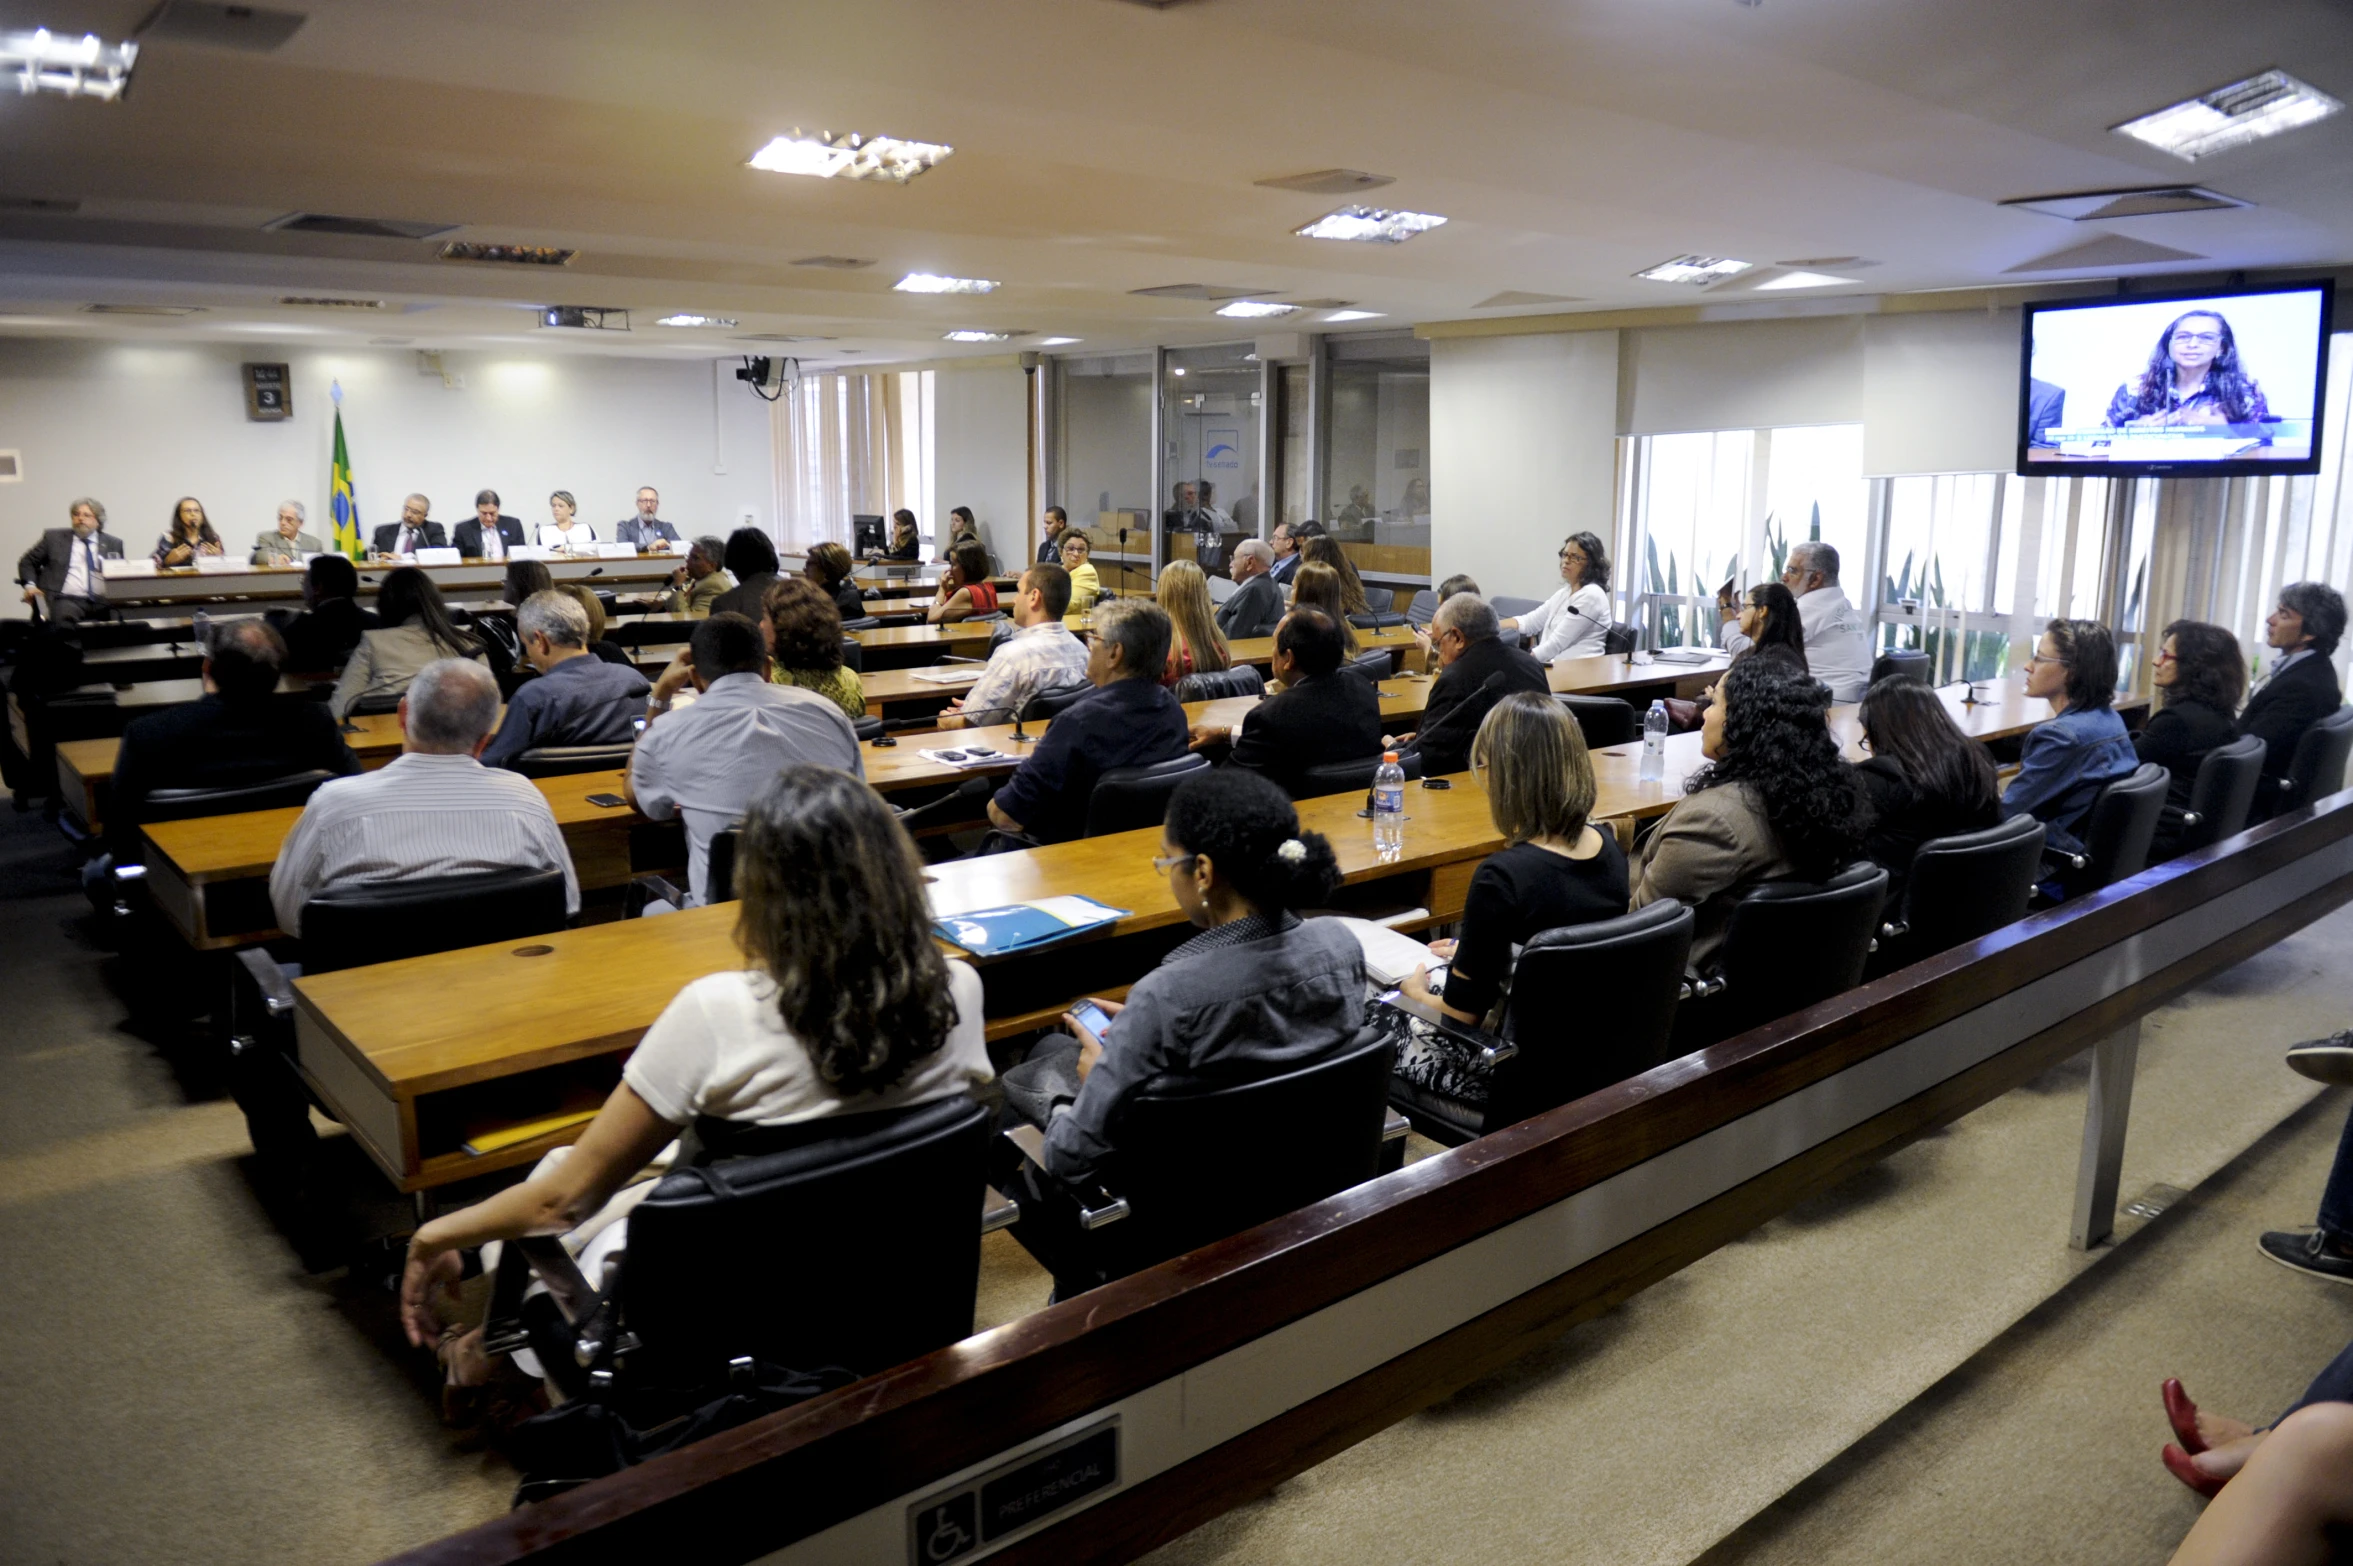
989, 1508
269, 392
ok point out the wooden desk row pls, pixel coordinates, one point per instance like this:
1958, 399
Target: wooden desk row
410, 1054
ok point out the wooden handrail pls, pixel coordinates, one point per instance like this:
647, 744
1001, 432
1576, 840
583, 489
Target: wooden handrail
1557, 1218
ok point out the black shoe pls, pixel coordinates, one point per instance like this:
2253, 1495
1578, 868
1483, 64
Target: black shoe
2307, 1251
2327, 1060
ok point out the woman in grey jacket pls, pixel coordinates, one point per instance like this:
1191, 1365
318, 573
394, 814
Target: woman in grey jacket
1260, 992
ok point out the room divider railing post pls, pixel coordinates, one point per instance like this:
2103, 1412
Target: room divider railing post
2106, 1113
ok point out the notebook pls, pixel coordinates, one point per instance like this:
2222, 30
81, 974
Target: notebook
1390, 956
953, 676
990, 932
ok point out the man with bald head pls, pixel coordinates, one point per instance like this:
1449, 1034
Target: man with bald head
434, 811
1257, 605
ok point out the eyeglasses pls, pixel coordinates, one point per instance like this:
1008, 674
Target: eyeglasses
2211, 339
1162, 864
2166, 656
2033, 659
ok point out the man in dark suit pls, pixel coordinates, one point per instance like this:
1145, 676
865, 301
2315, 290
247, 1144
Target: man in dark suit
237, 733
1478, 668
1286, 546
1257, 603
64, 575
331, 622
646, 530
487, 536
2301, 688
1322, 713
412, 532
2046, 409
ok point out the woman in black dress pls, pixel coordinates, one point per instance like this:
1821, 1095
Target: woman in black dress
1924, 777
2201, 676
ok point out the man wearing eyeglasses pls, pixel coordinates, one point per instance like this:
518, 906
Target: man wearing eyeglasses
64, 574
1838, 639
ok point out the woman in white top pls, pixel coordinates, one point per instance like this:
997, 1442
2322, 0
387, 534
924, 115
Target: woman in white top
846, 1006
566, 530
1573, 622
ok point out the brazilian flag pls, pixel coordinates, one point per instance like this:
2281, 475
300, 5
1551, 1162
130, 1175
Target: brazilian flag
343, 503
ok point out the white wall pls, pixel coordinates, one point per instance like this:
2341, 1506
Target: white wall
1940, 392
980, 455
139, 426
1523, 453
1106, 445
1741, 375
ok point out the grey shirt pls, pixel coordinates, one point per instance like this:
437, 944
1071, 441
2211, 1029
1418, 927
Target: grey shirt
705, 762
1250, 999
581, 701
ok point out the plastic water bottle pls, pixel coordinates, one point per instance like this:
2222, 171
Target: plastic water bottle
1389, 805
1654, 744
203, 631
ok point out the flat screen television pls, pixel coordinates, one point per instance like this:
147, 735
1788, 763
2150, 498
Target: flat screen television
2226, 383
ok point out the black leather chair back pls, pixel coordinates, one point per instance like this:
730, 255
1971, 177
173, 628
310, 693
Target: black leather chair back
1513, 608
2222, 795
864, 622
1591, 1004
719, 866
1605, 720
1201, 1165
853, 654
1424, 607
1127, 798
1376, 621
1969, 885
375, 706
1243, 679
1045, 704
1792, 943
856, 1242
1350, 777
867, 729
1374, 663
2122, 824
354, 926
1905, 663
2318, 768
555, 761
1619, 639
185, 804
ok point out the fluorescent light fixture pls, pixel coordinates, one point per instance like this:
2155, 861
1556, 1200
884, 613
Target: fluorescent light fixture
2231, 116
511, 255
696, 320
1370, 225
1801, 280
1179, 370
1700, 270
932, 283
849, 155
1058, 342
976, 337
80, 67
1255, 309
1354, 315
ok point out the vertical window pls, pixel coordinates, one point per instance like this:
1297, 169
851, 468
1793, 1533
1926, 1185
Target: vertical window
1103, 447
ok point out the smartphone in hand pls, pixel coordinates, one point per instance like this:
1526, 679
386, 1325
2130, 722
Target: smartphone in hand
1093, 1018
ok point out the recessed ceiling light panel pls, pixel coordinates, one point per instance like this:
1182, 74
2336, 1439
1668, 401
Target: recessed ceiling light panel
848, 155
2231, 116
1370, 225
42, 61
1255, 309
2148, 201
1208, 291
720, 321
1696, 270
836, 263
1058, 342
1354, 315
1331, 182
1788, 280
932, 283
976, 337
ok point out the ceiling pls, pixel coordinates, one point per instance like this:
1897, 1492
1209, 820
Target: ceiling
1104, 146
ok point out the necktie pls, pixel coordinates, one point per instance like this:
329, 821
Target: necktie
91, 571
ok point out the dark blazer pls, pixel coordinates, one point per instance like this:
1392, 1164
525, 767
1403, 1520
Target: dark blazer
1462, 696
1254, 610
389, 535
1284, 568
744, 597
321, 638
2046, 407
1325, 717
2278, 714
469, 535
637, 530
211, 743
44, 565
2177, 737
1901, 820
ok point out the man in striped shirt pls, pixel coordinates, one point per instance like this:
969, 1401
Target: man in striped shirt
435, 811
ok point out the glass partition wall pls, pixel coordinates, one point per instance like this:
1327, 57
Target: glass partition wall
1102, 472
1209, 452
1376, 459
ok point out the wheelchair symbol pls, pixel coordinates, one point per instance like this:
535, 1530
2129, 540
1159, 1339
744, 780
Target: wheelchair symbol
947, 1530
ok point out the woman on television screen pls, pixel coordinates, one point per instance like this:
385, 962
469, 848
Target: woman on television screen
2193, 377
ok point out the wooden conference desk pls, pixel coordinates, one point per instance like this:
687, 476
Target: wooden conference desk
465, 581
412, 1053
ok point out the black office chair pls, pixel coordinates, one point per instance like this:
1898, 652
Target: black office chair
1380, 620
876, 1210
1127, 798
853, 654
2318, 768
1193, 1167
1787, 945
718, 878
1046, 704
1604, 720
1422, 610
376, 706
2116, 835
867, 728
864, 622
1349, 777
1960, 888
1243, 679
1591, 1004
2221, 797
1375, 663
388, 920
557, 761
1513, 608
186, 804
1905, 663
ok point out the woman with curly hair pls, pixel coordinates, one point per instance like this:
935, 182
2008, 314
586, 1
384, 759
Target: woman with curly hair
805, 644
2200, 675
2192, 377
844, 1005
1775, 803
